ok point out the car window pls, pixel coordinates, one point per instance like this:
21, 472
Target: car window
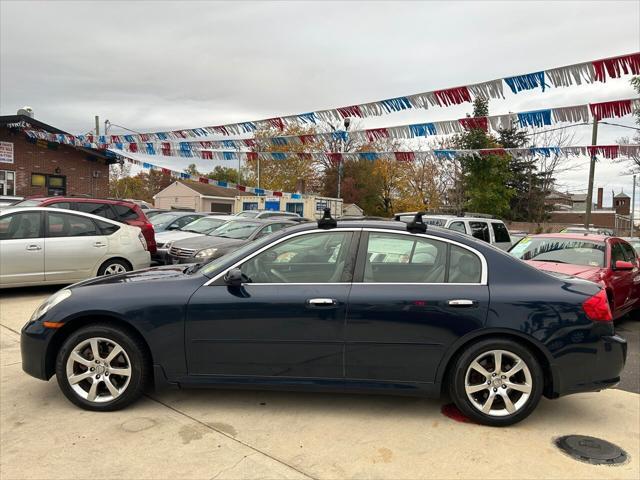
69, 225
125, 213
392, 258
235, 229
314, 258
63, 205
630, 253
100, 209
182, 221
458, 227
480, 230
617, 253
560, 250
464, 266
500, 232
20, 225
107, 228
202, 225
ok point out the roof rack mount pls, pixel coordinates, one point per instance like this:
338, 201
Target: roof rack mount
417, 225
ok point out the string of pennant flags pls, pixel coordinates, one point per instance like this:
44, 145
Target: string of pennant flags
186, 148
608, 151
576, 74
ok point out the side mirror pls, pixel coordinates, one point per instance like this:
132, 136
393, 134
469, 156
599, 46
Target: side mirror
233, 277
621, 265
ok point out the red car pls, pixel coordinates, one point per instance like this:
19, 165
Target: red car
608, 261
118, 210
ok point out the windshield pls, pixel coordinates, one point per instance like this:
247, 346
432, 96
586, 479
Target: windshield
164, 218
203, 225
247, 214
238, 230
27, 203
560, 250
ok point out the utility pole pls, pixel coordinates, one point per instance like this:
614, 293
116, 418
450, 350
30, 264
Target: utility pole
347, 122
633, 206
97, 125
592, 168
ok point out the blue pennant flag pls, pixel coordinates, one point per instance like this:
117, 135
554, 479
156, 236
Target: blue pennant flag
185, 175
248, 127
259, 191
396, 104
278, 156
445, 154
371, 156
296, 195
222, 184
279, 141
119, 146
340, 135
129, 138
228, 144
546, 151
150, 149
161, 136
308, 117
111, 154
535, 118
528, 81
147, 165
422, 129
102, 139
186, 146
229, 155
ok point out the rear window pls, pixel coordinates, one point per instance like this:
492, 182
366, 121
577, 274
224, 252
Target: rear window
95, 208
125, 213
27, 203
480, 230
560, 250
500, 232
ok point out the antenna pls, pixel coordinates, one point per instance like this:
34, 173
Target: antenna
417, 225
327, 221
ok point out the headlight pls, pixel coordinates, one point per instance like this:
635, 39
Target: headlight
207, 252
50, 302
168, 245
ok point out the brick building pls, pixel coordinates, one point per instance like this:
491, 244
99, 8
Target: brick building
36, 167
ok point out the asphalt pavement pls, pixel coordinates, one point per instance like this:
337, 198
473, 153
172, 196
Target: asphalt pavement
629, 328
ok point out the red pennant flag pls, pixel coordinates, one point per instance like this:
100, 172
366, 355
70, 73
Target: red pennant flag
614, 67
374, 134
618, 108
277, 123
493, 151
203, 180
352, 111
475, 123
133, 147
249, 142
607, 151
166, 171
252, 156
144, 137
166, 148
221, 129
242, 188
277, 194
206, 155
335, 158
452, 96
305, 139
405, 156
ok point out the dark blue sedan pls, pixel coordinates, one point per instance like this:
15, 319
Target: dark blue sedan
373, 306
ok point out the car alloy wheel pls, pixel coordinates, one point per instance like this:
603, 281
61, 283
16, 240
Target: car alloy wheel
498, 383
98, 370
114, 269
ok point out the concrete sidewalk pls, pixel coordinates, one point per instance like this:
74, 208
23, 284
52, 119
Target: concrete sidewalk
247, 434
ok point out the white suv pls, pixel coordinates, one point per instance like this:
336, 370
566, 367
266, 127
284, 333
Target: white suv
488, 229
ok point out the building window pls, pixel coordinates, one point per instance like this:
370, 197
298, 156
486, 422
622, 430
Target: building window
38, 180
7, 182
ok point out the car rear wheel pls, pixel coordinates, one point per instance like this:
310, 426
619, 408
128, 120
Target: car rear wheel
496, 382
113, 267
101, 368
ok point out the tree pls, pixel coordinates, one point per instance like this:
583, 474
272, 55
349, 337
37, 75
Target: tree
484, 178
633, 160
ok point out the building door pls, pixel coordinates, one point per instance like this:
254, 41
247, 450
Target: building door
221, 207
296, 207
273, 205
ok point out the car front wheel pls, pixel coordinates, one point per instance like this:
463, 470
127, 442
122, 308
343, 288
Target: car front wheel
496, 382
101, 368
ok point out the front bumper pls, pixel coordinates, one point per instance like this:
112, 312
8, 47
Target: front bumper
34, 341
583, 372
161, 256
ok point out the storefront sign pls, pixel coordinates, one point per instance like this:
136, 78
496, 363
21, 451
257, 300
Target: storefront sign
6, 152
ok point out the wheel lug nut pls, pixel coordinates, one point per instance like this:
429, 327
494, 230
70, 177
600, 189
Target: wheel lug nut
97, 376
504, 386
493, 374
495, 389
97, 361
92, 369
107, 374
504, 376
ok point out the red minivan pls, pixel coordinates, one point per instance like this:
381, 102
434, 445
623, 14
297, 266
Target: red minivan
118, 210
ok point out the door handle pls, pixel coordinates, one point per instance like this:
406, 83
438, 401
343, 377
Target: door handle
322, 302
99, 244
34, 247
461, 303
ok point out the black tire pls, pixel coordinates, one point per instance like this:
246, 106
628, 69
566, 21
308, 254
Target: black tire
458, 375
134, 357
114, 263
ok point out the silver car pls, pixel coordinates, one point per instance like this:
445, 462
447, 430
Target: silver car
40, 246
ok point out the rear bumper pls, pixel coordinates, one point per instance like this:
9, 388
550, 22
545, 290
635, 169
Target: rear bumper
140, 260
576, 374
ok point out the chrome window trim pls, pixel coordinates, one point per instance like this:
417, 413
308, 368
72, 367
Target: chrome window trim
483, 260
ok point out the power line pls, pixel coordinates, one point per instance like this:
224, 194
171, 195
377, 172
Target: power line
622, 126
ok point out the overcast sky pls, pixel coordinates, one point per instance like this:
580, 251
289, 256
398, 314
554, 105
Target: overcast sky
160, 65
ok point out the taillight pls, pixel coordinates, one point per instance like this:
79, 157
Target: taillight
143, 241
597, 308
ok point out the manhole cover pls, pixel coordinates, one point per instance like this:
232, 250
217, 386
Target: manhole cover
591, 450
